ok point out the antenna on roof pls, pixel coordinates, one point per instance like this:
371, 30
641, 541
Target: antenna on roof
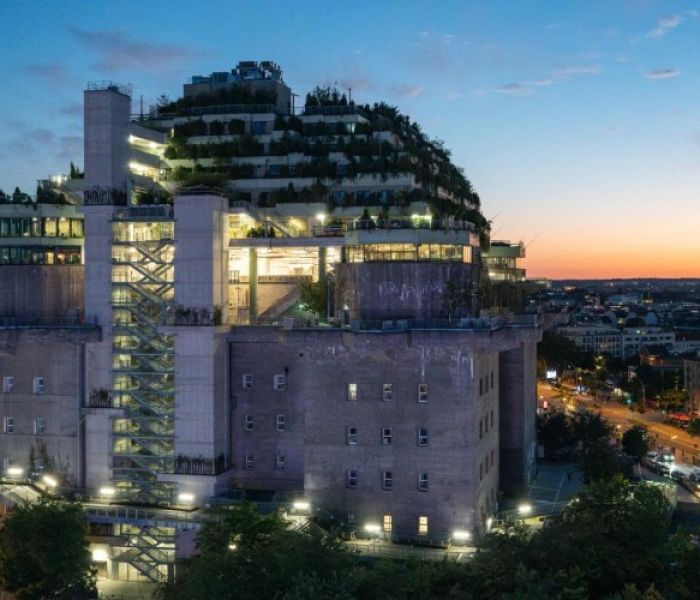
532, 241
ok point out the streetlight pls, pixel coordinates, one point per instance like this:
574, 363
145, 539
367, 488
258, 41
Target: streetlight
525, 509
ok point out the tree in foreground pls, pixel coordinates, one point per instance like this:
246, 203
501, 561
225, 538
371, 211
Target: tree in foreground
635, 442
44, 552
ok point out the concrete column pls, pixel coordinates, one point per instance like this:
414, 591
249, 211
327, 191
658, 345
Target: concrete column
253, 283
322, 264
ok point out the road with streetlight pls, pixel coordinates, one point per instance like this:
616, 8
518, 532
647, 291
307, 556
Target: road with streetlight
662, 434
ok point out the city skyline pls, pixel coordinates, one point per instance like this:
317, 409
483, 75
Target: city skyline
575, 125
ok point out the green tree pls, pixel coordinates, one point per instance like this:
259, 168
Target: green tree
635, 442
314, 296
44, 552
554, 432
694, 427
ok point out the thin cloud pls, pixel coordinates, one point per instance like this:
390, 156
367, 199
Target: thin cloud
54, 74
665, 25
118, 51
662, 74
514, 89
572, 71
412, 91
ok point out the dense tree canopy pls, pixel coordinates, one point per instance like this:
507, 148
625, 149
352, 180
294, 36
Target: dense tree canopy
44, 552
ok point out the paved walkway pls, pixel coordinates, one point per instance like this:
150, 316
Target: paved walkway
125, 590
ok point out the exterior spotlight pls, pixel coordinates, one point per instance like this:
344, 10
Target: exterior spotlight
100, 555
107, 491
232, 546
372, 528
185, 498
15, 471
489, 522
321, 217
525, 509
301, 505
49, 481
460, 535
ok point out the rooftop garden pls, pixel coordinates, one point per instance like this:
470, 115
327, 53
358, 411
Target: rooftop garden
235, 94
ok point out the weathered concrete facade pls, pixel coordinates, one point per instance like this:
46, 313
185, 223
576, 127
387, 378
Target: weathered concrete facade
42, 376
41, 292
434, 431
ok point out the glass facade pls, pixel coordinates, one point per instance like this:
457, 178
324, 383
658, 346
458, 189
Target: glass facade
28, 255
38, 227
409, 252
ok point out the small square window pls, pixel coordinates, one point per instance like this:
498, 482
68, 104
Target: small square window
281, 422
387, 392
249, 422
386, 436
351, 436
387, 524
8, 384
9, 424
351, 478
38, 385
422, 482
352, 391
39, 426
249, 461
247, 382
387, 480
422, 525
422, 392
422, 436
280, 463
280, 382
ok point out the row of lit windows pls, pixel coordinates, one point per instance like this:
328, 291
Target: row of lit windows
408, 252
38, 227
23, 255
8, 385
386, 437
9, 424
387, 525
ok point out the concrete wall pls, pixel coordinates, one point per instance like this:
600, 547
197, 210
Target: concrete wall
518, 405
106, 119
57, 355
463, 374
385, 290
41, 291
201, 277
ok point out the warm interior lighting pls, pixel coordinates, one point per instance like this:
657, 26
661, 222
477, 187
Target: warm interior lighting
100, 555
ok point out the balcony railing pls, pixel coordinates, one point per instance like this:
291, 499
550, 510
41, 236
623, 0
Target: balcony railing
418, 223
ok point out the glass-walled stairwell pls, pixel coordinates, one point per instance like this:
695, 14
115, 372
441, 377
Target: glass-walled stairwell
142, 357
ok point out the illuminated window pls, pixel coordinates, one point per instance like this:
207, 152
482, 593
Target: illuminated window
422, 482
422, 392
249, 422
387, 392
351, 436
351, 478
352, 391
387, 480
387, 524
248, 382
422, 525
422, 436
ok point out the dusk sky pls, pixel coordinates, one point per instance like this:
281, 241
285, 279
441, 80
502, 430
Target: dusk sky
578, 122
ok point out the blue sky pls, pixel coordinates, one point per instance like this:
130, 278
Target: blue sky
578, 122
